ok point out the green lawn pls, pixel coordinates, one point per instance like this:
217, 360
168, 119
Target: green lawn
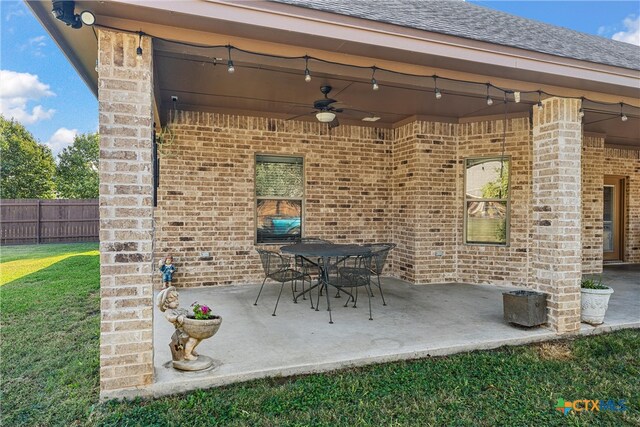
50, 363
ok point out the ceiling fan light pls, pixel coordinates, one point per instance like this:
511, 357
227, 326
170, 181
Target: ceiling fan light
325, 116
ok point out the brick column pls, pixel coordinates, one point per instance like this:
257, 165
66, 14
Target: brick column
557, 203
126, 212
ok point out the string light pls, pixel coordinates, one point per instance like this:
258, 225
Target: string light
581, 111
489, 100
436, 90
307, 73
438, 93
139, 49
374, 83
230, 68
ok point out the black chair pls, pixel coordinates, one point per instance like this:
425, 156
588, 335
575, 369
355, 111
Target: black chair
310, 266
277, 268
350, 274
380, 252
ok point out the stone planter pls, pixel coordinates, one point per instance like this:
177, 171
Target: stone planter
594, 305
525, 308
201, 329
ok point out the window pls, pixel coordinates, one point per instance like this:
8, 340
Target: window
486, 203
279, 194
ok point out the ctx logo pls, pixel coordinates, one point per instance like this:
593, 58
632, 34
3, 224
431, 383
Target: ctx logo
590, 405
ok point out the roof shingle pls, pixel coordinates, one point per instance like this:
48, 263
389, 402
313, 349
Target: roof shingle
462, 19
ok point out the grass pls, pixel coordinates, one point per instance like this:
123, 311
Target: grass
50, 365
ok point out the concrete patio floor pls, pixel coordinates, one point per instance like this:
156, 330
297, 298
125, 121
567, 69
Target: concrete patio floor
419, 321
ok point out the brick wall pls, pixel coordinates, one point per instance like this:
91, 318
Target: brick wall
495, 263
362, 184
126, 212
424, 195
556, 258
592, 181
206, 195
626, 163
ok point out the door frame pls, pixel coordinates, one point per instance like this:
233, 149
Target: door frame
620, 216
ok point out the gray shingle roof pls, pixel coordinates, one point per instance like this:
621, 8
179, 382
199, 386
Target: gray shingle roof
462, 19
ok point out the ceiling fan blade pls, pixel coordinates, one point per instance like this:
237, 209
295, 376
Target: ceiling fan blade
300, 115
334, 123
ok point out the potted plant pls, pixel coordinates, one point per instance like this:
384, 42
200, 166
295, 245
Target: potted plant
202, 323
594, 301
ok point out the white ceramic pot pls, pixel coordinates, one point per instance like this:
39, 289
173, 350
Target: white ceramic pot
594, 305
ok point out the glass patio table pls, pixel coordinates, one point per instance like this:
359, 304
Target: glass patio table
325, 251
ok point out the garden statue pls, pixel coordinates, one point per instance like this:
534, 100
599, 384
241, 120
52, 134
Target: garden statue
167, 269
191, 328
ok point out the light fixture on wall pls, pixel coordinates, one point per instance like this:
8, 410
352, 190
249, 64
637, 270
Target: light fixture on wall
307, 73
87, 18
230, 68
325, 116
489, 100
374, 83
435, 88
623, 116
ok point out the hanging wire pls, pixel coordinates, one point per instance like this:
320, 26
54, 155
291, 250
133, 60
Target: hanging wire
362, 67
504, 141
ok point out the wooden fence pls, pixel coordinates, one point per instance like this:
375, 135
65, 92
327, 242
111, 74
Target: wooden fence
28, 221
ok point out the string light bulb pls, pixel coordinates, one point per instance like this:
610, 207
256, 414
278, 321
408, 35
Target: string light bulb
623, 116
540, 99
139, 49
307, 73
489, 100
436, 90
230, 68
374, 83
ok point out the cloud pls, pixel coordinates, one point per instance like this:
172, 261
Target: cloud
17, 90
35, 45
15, 13
632, 31
61, 139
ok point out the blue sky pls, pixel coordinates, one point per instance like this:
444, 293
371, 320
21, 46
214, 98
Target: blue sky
39, 88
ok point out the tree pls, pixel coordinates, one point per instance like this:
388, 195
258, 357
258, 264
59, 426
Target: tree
26, 167
77, 171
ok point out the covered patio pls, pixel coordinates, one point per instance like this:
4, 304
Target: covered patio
419, 321
195, 96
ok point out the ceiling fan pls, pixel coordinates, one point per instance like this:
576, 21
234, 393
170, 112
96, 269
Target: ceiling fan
325, 112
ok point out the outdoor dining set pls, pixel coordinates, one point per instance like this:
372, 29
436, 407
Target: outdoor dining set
321, 263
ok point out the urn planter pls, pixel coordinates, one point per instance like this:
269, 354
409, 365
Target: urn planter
201, 329
594, 303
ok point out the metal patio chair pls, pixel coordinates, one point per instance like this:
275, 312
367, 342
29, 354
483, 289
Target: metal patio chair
277, 268
310, 266
380, 252
350, 274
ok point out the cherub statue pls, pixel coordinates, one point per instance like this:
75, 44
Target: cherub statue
182, 344
167, 269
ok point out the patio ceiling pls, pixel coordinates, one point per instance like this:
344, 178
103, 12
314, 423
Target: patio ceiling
275, 88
